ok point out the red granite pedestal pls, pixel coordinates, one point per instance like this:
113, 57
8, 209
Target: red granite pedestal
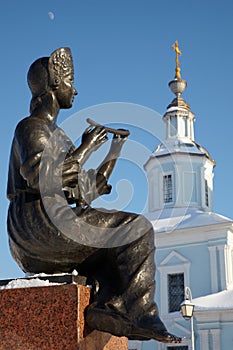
50, 318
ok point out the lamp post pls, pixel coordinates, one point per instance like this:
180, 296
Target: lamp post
187, 308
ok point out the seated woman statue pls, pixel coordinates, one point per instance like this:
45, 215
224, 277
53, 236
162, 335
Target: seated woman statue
48, 234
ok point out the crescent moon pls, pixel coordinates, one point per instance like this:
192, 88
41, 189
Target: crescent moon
51, 15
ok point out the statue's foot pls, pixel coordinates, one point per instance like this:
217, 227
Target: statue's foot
112, 321
151, 327
148, 334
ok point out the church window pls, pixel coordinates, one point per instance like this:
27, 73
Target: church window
206, 194
167, 188
184, 126
175, 291
174, 272
173, 126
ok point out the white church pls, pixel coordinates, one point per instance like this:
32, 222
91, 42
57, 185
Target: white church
194, 244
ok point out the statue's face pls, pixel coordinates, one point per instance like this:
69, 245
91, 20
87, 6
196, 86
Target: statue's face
65, 92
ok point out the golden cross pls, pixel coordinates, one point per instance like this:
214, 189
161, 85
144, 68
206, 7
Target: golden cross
178, 52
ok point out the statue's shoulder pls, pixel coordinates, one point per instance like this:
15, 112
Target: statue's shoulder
30, 125
29, 121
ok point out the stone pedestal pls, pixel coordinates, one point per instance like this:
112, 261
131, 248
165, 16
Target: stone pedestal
50, 318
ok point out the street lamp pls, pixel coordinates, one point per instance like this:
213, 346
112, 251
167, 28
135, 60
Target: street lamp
187, 308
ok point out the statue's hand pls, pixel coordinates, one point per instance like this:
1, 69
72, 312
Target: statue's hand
93, 138
117, 142
70, 171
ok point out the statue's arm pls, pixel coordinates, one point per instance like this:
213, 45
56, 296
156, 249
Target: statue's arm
85, 189
92, 139
43, 158
30, 139
102, 173
108, 164
94, 183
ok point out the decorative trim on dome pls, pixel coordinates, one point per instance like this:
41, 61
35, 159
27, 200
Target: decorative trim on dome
179, 102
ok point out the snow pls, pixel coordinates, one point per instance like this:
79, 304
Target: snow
217, 301
33, 280
177, 145
42, 274
176, 108
27, 283
170, 219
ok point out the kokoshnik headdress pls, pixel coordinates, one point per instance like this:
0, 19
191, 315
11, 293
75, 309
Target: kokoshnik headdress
60, 65
49, 71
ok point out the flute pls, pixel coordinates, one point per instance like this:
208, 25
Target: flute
111, 130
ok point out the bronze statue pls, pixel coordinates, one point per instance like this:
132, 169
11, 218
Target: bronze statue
124, 303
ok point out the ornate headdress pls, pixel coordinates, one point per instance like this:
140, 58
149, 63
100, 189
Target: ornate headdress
60, 65
49, 71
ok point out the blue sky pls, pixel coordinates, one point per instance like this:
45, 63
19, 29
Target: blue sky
122, 53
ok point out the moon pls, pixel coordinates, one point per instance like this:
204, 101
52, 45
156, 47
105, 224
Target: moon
51, 15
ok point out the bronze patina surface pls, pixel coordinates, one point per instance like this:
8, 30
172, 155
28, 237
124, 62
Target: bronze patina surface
123, 268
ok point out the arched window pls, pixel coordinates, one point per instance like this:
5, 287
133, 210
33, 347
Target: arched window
173, 126
184, 127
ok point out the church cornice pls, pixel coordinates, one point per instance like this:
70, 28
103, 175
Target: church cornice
216, 233
178, 112
178, 152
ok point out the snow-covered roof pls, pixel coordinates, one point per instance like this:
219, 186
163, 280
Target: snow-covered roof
216, 301
170, 219
176, 108
180, 145
177, 146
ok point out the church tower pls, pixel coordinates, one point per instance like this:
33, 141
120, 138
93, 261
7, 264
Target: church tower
180, 171
194, 245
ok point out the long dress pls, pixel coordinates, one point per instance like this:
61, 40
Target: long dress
115, 248
45, 233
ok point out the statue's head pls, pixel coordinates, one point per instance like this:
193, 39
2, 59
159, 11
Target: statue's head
38, 76
54, 73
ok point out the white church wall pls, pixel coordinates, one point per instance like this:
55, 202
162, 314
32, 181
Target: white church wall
190, 176
213, 329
